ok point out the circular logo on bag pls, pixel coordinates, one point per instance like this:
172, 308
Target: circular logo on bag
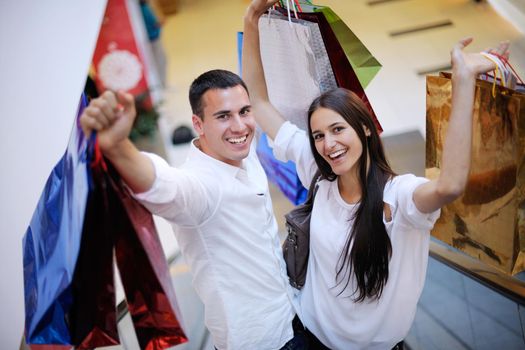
120, 70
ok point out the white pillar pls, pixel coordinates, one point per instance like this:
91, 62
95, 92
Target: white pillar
45, 52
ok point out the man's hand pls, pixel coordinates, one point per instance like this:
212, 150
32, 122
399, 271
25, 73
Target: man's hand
112, 116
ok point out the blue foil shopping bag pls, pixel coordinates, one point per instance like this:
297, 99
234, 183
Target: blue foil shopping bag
284, 175
51, 245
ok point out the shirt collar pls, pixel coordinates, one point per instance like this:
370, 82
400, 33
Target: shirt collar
199, 158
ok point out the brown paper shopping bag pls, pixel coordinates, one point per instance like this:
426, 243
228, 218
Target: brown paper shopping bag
488, 221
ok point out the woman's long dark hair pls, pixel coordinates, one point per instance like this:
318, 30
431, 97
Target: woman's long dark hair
371, 250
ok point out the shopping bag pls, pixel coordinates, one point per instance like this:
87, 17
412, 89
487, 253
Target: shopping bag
302, 58
297, 70
82, 216
488, 221
296, 65
339, 54
140, 260
93, 315
284, 175
143, 269
363, 63
51, 245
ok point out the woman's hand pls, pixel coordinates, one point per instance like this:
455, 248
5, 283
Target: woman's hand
258, 7
473, 64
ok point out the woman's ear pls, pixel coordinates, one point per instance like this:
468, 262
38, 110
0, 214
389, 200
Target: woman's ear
367, 131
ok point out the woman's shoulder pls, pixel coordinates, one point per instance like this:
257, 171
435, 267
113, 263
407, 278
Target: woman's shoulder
404, 179
400, 184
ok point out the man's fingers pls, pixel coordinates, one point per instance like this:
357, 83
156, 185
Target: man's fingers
89, 123
110, 98
94, 112
126, 100
105, 109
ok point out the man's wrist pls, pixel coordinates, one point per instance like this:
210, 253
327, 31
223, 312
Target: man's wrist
122, 149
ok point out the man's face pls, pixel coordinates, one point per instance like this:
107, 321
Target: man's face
227, 129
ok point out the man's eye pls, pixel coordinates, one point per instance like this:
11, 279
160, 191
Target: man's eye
222, 116
245, 111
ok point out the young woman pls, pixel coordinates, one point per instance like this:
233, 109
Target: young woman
369, 231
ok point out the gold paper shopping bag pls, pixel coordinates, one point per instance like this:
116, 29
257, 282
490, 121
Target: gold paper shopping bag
488, 221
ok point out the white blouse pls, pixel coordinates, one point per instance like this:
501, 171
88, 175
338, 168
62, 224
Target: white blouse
338, 321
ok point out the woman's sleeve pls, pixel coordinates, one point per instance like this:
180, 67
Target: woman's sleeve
405, 187
291, 144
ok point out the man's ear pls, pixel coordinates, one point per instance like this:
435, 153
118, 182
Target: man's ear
197, 124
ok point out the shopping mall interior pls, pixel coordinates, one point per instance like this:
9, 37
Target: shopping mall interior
465, 304
411, 39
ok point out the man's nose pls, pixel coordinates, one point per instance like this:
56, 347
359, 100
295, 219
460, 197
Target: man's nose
236, 123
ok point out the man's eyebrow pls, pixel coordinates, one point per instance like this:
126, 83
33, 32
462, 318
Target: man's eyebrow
228, 111
221, 112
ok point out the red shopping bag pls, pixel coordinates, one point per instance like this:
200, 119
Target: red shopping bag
141, 262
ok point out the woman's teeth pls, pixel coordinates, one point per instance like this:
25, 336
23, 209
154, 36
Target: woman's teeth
336, 154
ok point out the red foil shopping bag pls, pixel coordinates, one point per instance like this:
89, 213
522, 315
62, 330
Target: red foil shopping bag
142, 265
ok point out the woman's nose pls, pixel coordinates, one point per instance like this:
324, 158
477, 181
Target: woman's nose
329, 141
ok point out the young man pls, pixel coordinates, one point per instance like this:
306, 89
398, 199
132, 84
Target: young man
220, 203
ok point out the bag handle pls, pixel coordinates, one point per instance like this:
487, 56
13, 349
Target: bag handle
497, 70
503, 70
312, 190
508, 65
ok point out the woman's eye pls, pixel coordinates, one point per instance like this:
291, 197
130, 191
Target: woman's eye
338, 129
318, 137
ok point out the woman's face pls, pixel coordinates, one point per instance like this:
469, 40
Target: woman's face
335, 140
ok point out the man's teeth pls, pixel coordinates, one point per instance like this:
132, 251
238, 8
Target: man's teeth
237, 140
337, 153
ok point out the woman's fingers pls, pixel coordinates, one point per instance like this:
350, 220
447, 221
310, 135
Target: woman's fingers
503, 49
465, 42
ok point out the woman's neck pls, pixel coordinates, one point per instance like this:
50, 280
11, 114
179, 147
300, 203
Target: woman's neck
349, 187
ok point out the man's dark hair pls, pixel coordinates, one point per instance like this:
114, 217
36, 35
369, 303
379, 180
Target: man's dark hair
213, 79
